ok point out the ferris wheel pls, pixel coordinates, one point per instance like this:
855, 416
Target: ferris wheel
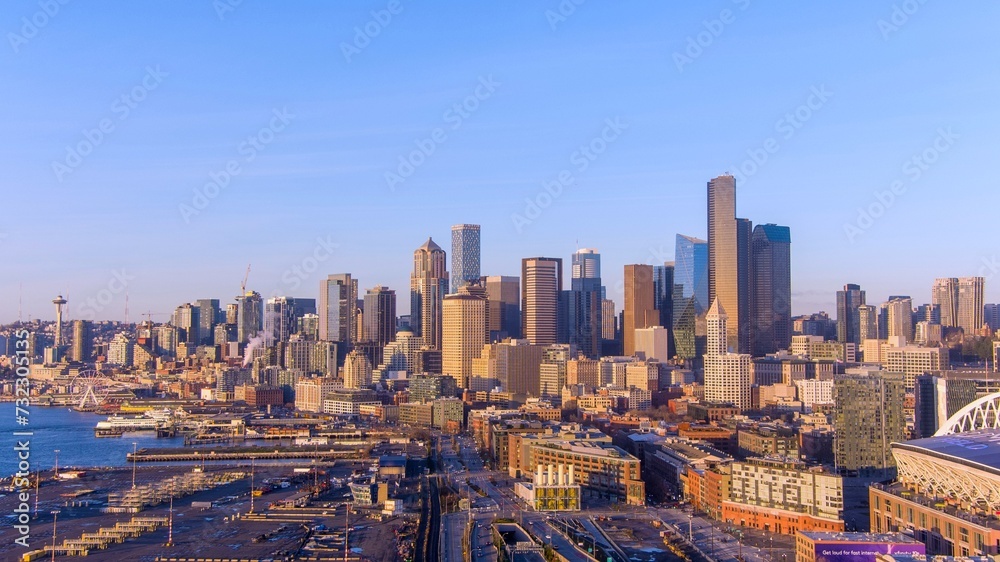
90, 389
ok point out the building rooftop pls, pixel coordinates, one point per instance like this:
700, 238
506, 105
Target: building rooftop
976, 449
859, 537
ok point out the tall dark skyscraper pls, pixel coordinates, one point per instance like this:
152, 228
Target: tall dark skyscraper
249, 315
772, 288
744, 283
209, 315
541, 288
428, 286
848, 318
585, 303
465, 255
663, 298
379, 324
83, 341
690, 298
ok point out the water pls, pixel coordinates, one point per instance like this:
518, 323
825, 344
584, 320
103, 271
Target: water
72, 433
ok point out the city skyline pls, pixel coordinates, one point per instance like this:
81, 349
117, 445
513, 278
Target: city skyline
874, 114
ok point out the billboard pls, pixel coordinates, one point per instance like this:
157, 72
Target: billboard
863, 551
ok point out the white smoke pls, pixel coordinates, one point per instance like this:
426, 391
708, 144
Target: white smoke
254, 343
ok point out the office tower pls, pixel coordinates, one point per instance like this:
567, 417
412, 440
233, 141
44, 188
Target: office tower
428, 286
663, 297
653, 343
83, 341
900, 318
513, 365
991, 316
464, 332
541, 285
277, 314
868, 417
608, 316
504, 303
585, 306
552, 371
930, 313
337, 307
970, 304
772, 288
640, 304
744, 278
690, 297
250, 315
465, 255
59, 301
728, 376
848, 320
728, 259
357, 370
232, 313
208, 316
120, 350
944, 294
379, 324
938, 398
867, 323
187, 318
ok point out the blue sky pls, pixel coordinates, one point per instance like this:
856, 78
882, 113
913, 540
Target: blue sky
197, 85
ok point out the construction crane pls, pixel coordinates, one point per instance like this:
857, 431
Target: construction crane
243, 287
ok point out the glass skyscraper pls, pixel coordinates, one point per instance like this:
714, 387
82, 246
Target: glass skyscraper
585, 303
465, 255
690, 296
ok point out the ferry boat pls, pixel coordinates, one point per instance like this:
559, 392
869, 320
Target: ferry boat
116, 426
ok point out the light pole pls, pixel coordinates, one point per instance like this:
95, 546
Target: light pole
135, 449
252, 460
690, 521
57, 464
55, 517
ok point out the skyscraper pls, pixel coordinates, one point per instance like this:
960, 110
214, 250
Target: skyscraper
249, 315
83, 341
724, 265
868, 417
504, 294
744, 285
380, 316
464, 332
357, 370
663, 298
690, 297
900, 318
848, 319
991, 316
727, 375
585, 303
970, 304
281, 317
338, 296
187, 318
428, 286
640, 304
465, 255
541, 285
944, 293
209, 315
772, 288
867, 323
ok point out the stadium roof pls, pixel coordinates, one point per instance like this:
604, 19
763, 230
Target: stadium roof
975, 449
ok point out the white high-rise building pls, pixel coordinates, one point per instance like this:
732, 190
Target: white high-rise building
727, 375
357, 370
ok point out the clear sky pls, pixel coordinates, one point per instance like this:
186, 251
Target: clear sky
311, 104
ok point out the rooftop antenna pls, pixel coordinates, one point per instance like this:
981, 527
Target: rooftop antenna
126, 309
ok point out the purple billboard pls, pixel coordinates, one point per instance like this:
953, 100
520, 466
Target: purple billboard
864, 551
